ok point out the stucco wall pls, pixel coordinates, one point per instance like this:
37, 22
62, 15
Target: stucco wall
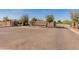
6, 23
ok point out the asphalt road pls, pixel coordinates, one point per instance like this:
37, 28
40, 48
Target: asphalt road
38, 39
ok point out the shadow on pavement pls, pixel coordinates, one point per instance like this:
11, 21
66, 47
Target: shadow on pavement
61, 27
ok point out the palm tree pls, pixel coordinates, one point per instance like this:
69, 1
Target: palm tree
33, 20
49, 19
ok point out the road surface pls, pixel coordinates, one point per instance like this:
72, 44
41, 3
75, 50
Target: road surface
38, 39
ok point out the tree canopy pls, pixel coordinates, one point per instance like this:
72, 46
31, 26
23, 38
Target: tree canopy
24, 20
34, 19
5, 18
50, 18
59, 22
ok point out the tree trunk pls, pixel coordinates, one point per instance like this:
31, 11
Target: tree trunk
46, 24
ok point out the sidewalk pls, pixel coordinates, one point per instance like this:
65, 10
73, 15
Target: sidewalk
74, 30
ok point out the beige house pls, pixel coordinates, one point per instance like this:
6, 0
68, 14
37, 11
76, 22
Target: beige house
40, 23
12, 23
6, 23
43, 23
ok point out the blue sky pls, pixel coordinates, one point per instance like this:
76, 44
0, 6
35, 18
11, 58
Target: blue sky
59, 14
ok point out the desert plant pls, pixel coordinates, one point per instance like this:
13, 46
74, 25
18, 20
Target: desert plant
67, 22
6, 18
24, 20
33, 20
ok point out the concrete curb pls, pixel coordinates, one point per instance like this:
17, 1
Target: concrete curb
73, 30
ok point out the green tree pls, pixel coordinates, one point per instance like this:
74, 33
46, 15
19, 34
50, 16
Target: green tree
59, 22
33, 20
16, 22
5, 18
24, 20
49, 19
75, 18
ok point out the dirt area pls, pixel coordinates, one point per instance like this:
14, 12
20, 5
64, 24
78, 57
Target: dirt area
24, 38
